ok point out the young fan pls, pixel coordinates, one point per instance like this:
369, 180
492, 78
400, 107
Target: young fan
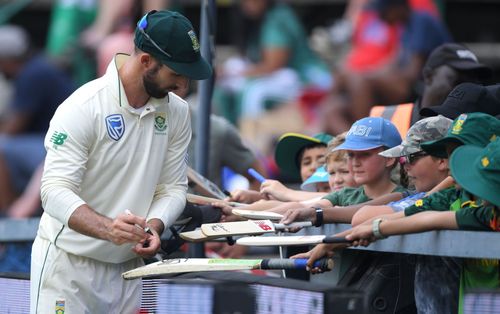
366, 138
424, 171
298, 156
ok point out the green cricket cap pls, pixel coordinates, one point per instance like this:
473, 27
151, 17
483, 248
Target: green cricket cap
475, 128
169, 37
477, 170
290, 145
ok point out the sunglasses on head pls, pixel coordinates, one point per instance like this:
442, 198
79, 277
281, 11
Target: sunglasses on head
412, 158
142, 25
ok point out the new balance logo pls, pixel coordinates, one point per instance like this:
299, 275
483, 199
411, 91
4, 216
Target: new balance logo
58, 138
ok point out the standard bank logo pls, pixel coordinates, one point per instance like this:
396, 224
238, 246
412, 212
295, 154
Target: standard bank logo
115, 126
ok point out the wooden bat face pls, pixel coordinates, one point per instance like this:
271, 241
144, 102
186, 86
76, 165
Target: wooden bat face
196, 236
281, 241
182, 265
290, 240
238, 228
256, 214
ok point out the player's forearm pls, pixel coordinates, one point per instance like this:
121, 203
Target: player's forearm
87, 221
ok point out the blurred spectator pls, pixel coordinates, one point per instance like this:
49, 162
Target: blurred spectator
447, 66
388, 76
39, 88
79, 29
276, 62
68, 19
226, 147
108, 38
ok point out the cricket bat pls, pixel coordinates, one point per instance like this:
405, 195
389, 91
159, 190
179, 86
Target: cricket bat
204, 186
196, 236
183, 265
290, 240
249, 227
257, 214
204, 200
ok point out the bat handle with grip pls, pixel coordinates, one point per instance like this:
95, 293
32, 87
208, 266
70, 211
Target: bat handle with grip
333, 239
256, 175
324, 264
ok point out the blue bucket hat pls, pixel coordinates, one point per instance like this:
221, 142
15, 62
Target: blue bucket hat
369, 133
320, 175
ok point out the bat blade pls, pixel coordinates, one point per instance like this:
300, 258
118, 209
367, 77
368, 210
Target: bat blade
204, 186
238, 228
204, 200
256, 214
195, 236
289, 240
173, 266
249, 227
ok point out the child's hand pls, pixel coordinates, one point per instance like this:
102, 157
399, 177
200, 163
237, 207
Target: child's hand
319, 251
272, 189
361, 235
299, 214
244, 196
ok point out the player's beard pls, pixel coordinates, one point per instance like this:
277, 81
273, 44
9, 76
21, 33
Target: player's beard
150, 85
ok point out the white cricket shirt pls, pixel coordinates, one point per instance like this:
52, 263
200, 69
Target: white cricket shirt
102, 153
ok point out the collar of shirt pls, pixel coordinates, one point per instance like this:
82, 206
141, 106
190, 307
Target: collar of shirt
118, 93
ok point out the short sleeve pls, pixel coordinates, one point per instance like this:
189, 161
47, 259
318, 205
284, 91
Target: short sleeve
333, 197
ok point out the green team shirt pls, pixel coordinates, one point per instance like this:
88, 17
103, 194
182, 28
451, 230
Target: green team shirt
350, 196
470, 215
282, 29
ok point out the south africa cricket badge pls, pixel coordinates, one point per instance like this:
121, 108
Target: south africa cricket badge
60, 306
161, 122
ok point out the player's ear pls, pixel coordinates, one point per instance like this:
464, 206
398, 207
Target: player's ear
145, 59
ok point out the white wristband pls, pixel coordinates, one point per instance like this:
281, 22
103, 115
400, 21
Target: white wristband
376, 229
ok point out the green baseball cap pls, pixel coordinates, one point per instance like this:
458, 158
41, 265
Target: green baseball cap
289, 146
477, 170
432, 128
475, 128
170, 38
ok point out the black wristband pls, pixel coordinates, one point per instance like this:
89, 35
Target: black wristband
319, 216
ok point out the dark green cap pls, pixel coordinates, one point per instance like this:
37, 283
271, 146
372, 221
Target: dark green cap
170, 37
475, 128
289, 146
477, 170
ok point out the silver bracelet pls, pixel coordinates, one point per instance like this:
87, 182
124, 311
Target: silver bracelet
376, 229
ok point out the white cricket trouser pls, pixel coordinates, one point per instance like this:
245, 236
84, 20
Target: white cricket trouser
67, 283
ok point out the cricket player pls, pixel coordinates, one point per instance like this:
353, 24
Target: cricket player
115, 168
